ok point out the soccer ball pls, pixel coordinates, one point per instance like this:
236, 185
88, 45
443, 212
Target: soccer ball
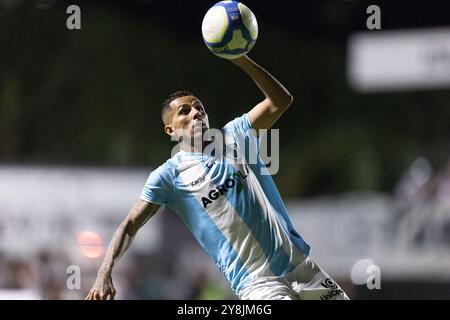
229, 29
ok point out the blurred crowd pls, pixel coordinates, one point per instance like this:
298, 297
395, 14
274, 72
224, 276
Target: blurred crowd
179, 269
37, 277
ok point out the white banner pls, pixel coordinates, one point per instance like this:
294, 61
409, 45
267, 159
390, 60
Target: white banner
345, 230
47, 208
398, 60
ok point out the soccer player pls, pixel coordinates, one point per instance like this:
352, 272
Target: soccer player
230, 203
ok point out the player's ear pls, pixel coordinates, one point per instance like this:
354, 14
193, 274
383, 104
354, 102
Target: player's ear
169, 130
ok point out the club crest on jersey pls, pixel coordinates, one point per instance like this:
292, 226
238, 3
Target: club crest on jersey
231, 151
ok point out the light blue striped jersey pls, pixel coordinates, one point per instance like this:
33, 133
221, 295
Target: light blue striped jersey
234, 212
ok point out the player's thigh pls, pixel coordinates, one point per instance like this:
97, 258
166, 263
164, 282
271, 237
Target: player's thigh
268, 290
310, 282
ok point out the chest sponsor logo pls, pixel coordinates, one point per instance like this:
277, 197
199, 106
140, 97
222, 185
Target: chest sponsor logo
234, 181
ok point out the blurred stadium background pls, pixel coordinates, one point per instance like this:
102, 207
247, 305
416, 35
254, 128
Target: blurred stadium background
364, 154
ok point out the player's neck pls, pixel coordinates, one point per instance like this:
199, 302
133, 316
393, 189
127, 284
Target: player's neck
194, 148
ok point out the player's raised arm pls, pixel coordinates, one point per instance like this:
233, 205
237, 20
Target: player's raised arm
122, 238
278, 99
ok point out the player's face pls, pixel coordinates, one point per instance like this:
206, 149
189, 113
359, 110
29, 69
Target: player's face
189, 115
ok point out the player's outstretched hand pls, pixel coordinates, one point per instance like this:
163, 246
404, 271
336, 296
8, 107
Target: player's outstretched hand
103, 288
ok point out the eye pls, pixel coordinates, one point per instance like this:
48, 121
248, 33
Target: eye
184, 110
199, 108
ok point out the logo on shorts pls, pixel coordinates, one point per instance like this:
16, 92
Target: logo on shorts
329, 284
334, 289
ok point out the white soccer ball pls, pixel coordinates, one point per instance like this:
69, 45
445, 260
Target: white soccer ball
229, 29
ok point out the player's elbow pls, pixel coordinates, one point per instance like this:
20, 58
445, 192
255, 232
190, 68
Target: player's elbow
286, 102
289, 99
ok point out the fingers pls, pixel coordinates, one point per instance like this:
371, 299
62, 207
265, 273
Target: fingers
90, 295
111, 293
95, 295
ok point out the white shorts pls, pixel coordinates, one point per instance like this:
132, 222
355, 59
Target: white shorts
306, 282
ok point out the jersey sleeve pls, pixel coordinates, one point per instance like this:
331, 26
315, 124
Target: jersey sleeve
244, 134
241, 123
240, 127
156, 189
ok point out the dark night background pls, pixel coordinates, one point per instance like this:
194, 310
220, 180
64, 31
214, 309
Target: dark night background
80, 129
92, 96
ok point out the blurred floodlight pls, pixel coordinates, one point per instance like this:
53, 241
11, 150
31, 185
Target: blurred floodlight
359, 274
399, 60
91, 244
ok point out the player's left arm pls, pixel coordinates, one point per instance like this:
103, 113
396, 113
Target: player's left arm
277, 100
